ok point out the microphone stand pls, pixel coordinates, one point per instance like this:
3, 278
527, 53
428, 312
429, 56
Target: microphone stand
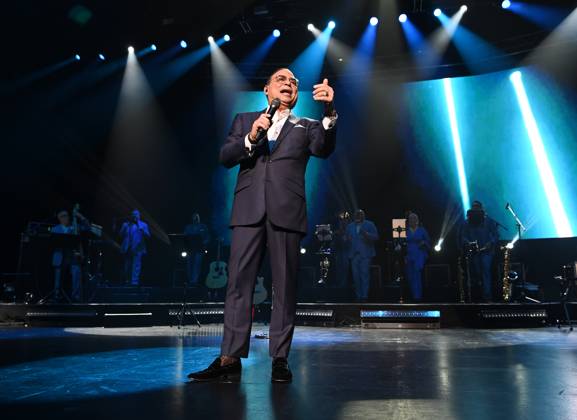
520, 229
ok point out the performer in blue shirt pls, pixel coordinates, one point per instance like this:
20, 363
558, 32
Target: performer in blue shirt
133, 234
479, 233
197, 237
418, 246
362, 235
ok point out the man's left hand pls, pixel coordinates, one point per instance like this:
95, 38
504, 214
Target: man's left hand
323, 92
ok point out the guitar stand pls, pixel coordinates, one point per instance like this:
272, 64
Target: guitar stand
54, 293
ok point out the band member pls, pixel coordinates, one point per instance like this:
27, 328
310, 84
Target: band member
66, 260
269, 209
197, 239
479, 236
362, 235
133, 234
341, 245
418, 247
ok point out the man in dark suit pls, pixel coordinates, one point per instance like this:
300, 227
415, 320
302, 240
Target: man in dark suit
269, 210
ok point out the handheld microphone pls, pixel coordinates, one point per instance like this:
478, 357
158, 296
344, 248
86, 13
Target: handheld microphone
274, 105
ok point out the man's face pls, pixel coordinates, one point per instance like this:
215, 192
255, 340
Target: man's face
413, 219
284, 86
64, 219
359, 216
135, 216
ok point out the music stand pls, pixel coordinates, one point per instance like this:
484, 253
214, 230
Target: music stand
181, 243
399, 229
63, 242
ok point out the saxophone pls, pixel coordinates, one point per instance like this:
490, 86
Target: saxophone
508, 275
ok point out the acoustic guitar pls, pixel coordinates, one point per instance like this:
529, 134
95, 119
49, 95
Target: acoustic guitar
217, 273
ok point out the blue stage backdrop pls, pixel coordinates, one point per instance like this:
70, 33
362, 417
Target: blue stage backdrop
225, 179
501, 162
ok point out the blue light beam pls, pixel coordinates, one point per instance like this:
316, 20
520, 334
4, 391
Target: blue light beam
457, 145
556, 208
309, 64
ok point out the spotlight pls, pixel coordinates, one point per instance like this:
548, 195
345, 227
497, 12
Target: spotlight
403, 18
464, 8
437, 12
101, 57
226, 38
276, 33
303, 251
506, 4
310, 27
183, 44
374, 21
184, 254
77, 57
153, 47
510, 245
331, 24
130, 50
211, 39
439, 245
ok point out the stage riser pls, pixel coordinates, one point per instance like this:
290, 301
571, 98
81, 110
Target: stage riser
135, 315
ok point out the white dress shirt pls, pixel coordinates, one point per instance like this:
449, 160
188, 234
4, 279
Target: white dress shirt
278, 121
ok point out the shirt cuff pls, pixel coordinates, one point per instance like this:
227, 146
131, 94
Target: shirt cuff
329, 122
247, 143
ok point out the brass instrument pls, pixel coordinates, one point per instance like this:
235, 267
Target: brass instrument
508, 276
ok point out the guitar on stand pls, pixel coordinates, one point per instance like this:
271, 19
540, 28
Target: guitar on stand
217, 274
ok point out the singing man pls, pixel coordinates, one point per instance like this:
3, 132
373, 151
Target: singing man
269, 210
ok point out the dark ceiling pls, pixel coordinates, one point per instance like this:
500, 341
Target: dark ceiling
41, 33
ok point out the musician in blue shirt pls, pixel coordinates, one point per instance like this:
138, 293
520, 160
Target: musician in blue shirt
133, 233
197, 239
418, 246
361, 235
479, 235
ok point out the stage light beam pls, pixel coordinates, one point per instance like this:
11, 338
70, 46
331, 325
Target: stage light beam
276, 33
101, 57
226, 38
210, 39
183, 44
439, 245
374, 21
437, 12
153, 47
403, 18
457, 144
311, 27
331, 24
506, 4
464, 8
77, 57
556, 207
130, 50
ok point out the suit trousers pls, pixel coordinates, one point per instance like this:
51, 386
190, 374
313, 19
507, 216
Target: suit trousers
247, 251
132, 268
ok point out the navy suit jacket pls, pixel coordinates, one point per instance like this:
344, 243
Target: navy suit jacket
274, 183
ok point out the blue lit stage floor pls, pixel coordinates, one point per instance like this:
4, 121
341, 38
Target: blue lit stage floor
89, 373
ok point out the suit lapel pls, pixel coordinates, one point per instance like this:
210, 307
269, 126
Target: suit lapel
286, 128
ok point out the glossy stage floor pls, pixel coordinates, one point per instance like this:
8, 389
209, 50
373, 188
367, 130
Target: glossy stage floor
339, 373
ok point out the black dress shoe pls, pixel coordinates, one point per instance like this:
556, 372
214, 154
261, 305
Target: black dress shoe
218, 373
280, 370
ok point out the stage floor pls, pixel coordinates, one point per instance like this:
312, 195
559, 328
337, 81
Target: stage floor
344, 373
